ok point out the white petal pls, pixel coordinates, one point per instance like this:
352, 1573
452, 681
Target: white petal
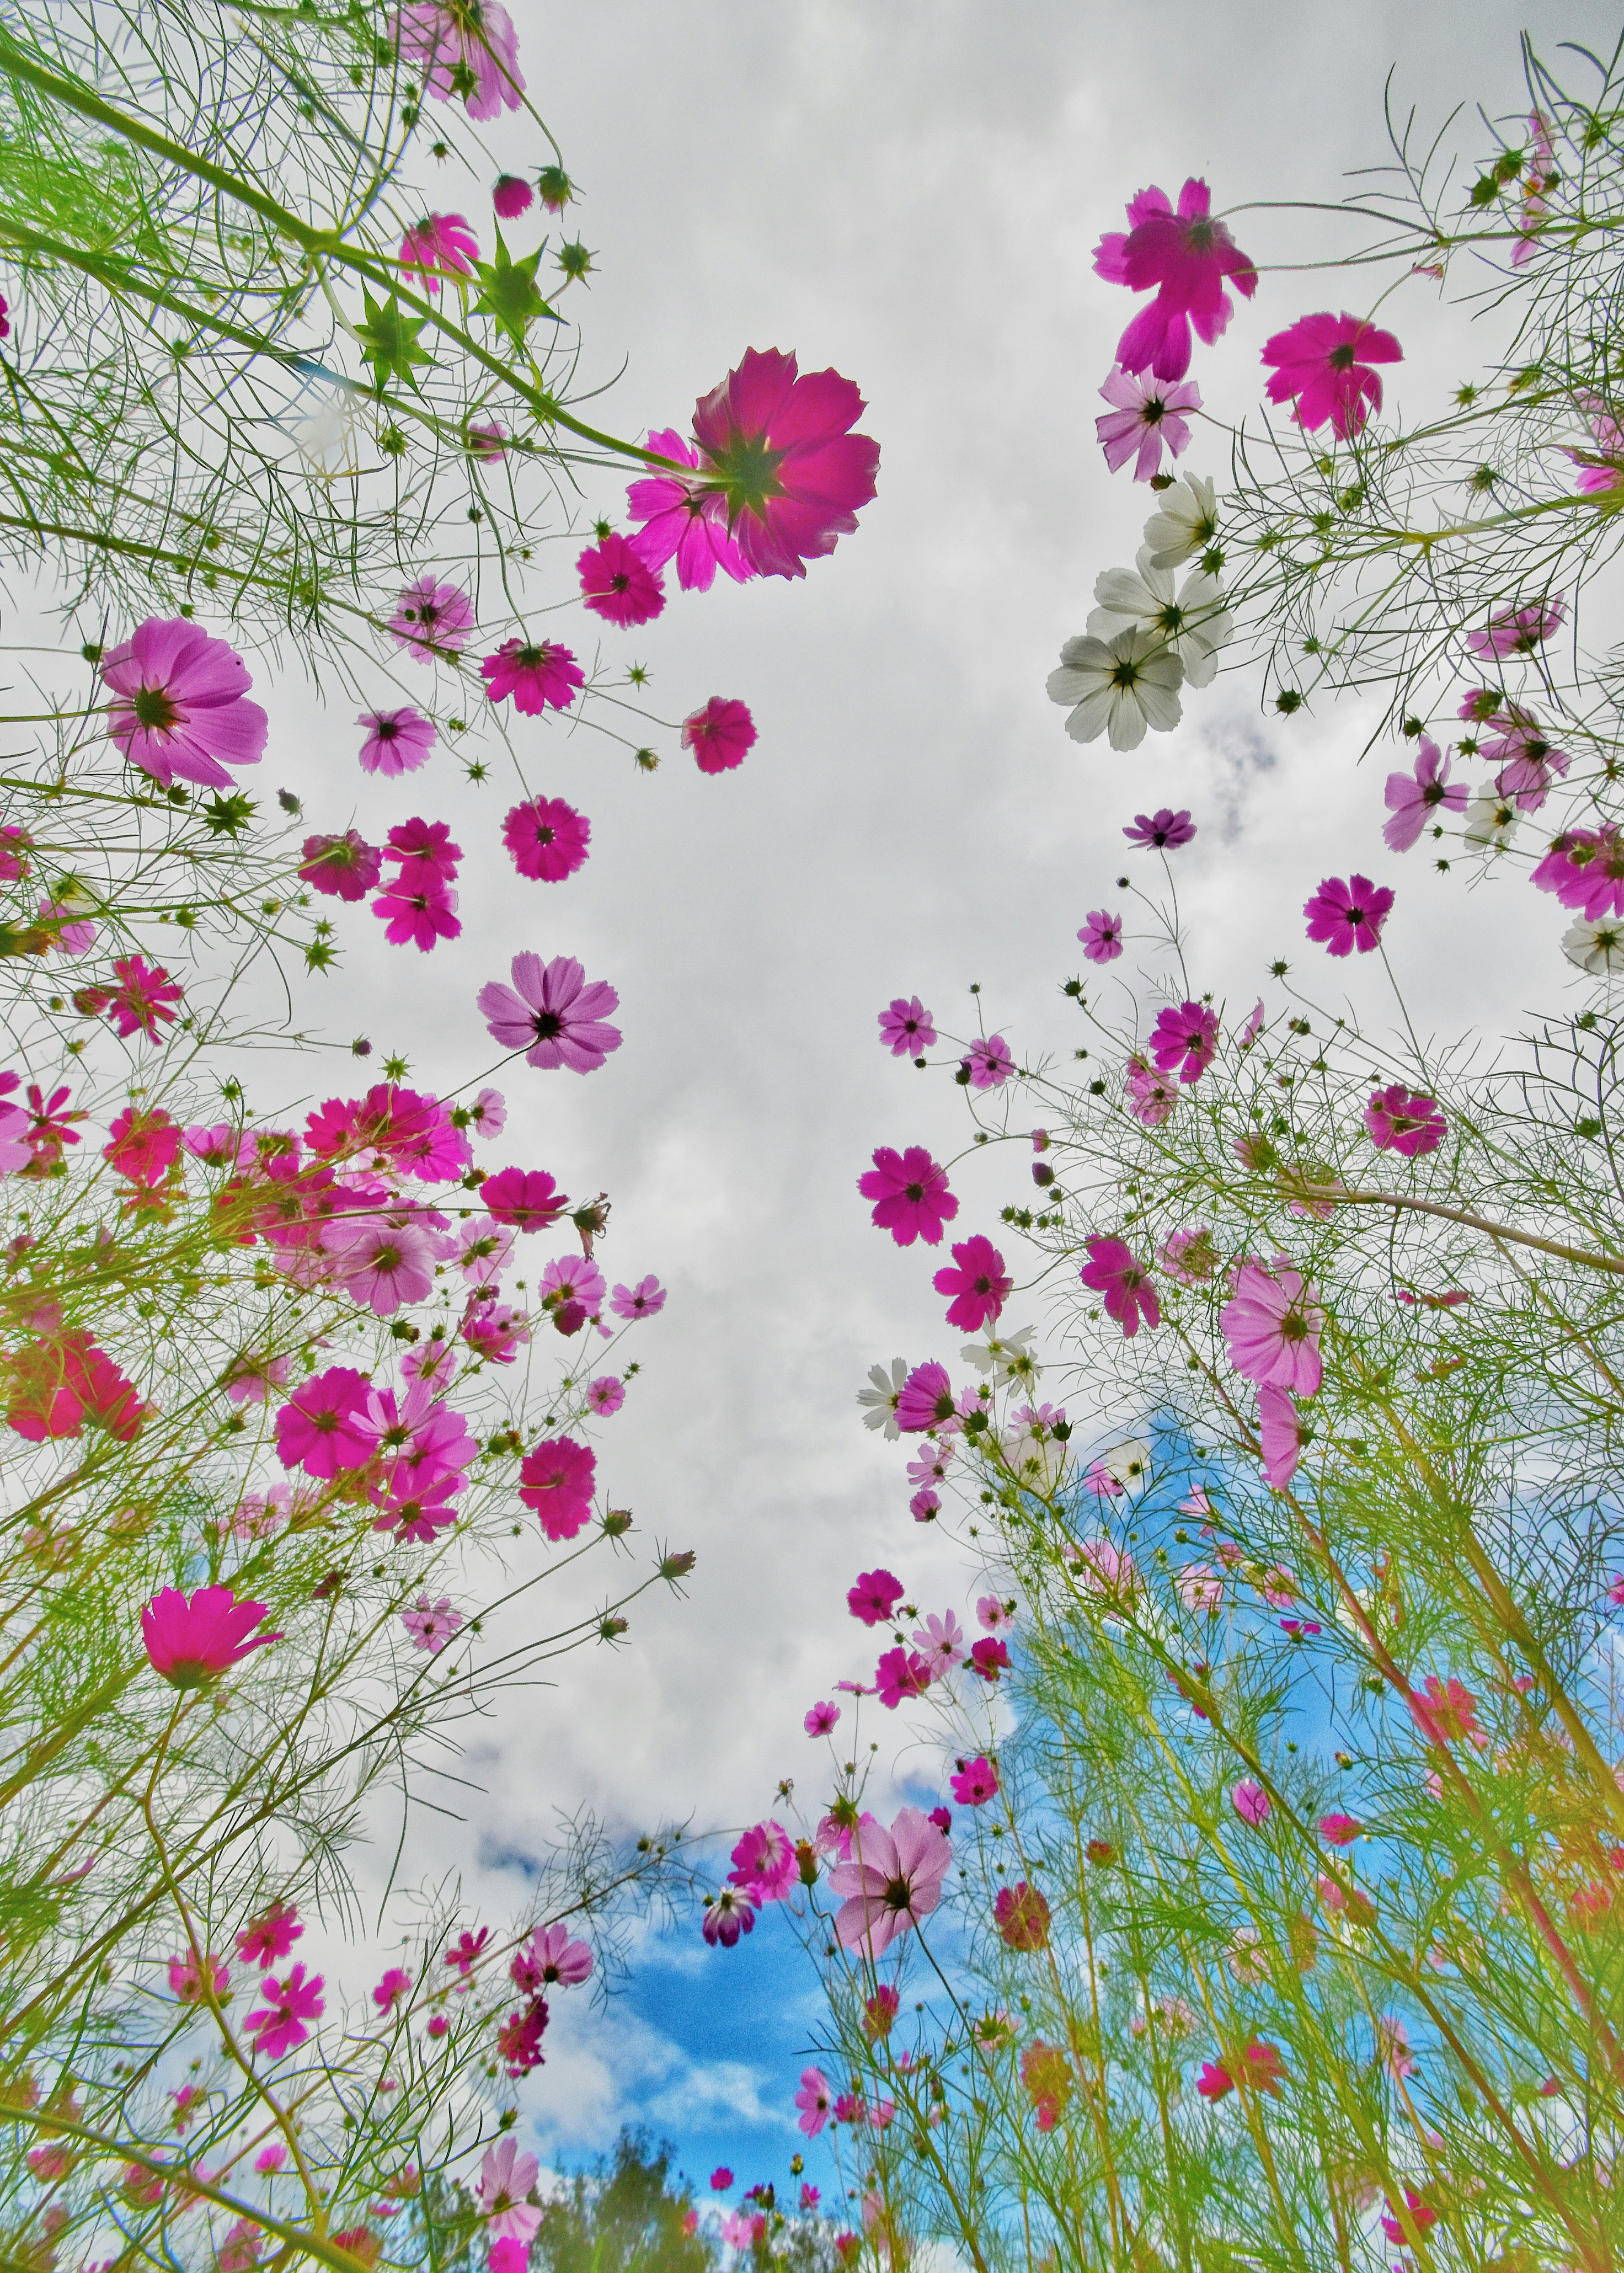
1127, 719
1073, 686
1088, 721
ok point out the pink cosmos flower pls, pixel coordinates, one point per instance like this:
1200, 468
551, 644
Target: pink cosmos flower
1340, 1830
396, 1984
1281, 1435
191, 1643
940, 1641
730, 1915
510, 196
1413, 799
976, 1782
383, 1263
1401, 1123
778, 450
719, 735
250, 1379
550, 1958
1519, 631
179, 706
540, 676
683, 522
1540, 179
1186, 1037
1151, 1095
821, 1720
423, 917
993, 1615
1021, 1915
467, 1950
1102, 936
1250, 1802
1273, 1327
990, 1064
1258, 2066
977, 1283
528, 1199
344, 867
1324, 363
188, 1974
912, 1200
645, 1300
1584, 868
1528, 760
506, 2177
606, 1395
900, 1673
322, 1429
142, 1146
397, 741
547, 838
1199, 1588
430, 618
494, 1331
764, 1863
989, 1657
1344, 916
815, 2099
1145, 416
1186, 257
463, 47
518, 2043
1447, 1712
1189, 1256
925, 1505
556, 1016
432, 1624
926, 1399
278, 2026
68, 938
143, 1000
441, 245
269, 1936
558, 1480
1601, 469
1421, 2213
572, 1278
906, 1027
484, 1250
893, 1879
618, 584
1111, 1270
1163, 831
875, 1596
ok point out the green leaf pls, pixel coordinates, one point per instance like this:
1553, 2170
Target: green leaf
388, 339
509, 294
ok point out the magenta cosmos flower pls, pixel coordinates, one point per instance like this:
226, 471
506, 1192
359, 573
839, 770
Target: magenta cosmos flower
281, 2024
730, 1915
875, 1597
1113, 1272
547, 838
1185, 1038
1250, 1802
1145, 416
1519, 631
431, 618
440, 245
1163, 831
893, 1881
527, 1198
1273, 1327
179, 706
815, 2099
463, 47
344, 867
1186, 257
1323, 362
323, 1428
510, 196
618, 584
909, 1190
977, 1283
1401, 1123
776, 448
551, 1959
681, 524
906, 1027
990, 1064
1414, 800
719, 735
976, 1782
191, 1643
765, 1865
541, 677
1281, 1437
555, 1015
270, 1935
900, 1673
432, 1624
557, 1480
423, 918
397, 741
1102, 936
821, 1720
1344, 916
926, 1399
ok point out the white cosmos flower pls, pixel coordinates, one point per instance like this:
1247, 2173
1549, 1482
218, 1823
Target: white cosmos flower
1037, 1462
1129, 1464
880, 1400
1185, 522
1195, 623
1002, 1355
1489, 820
1119, 688
1597, 948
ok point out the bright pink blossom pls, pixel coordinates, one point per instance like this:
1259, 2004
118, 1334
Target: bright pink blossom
912, 1200
269, 1936
1519, 631
875, 1597
906, 1027
344, 867
618, 584
396, 1983
278, 2026
191, 1977
547, 838
423, 918
1323, 362
815, 2099
1102, 936
440, 246
192, 1642
975, 1782
1113, 1272
730, 1915
989, 1657
1143, 418
1340, 1830
143, 1000
1273, 1327
977, 1283
990, 1064
466, 47
1344, 916
1401, 1123
926, 1399
397, 741
900, 1673
1447, 1712
539, 676
1163, 831
1414, 800
719, 735
494, 1331
764, 1863
179, 705
645, 1300
778, 450
1186, 1037
682, 521
551, 1959
1250, 1802
558, 1480
323, 1428
142, 1146
893, 1879
556, 1016
528, 1199
821, 1720
511, 195
431, 618
1186, 257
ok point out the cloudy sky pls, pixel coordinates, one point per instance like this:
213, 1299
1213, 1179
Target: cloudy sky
912, 193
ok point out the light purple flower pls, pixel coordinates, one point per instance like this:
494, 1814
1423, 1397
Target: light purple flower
1144, 416
556, 1017
1413, 799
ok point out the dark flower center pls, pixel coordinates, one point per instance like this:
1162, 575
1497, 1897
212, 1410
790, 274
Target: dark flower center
618, 583
1152, 410
899, 1894
1294, 1327
1341, 358
154, 709
1356, 915
1126, 674
529, 658
548, 1026
544, 835
386, 728
915, 1192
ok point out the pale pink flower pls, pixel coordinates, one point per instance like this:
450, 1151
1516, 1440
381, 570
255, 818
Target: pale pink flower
1520, 630
606, 1395
940, 1640
893, 1879
432, 1624
440, 246
642, 1301
1250, 1802
992, 1614
1414, 800
1143, 416
1282, 1436
179, 709
463, 47
506, 2177
815, 2099
431, 616
1273, 1327
1393, 2048
397, 741
551, 1959
555, 1015
1200, 1588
